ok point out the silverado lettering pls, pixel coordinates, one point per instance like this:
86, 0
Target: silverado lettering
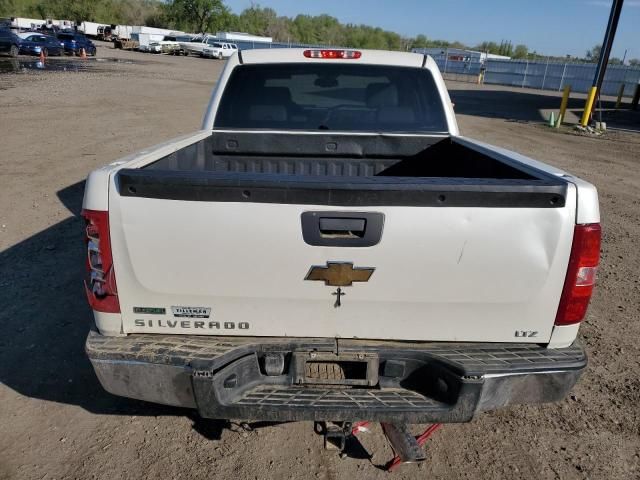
191, 324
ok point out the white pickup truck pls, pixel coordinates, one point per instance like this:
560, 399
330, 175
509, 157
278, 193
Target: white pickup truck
198, 44
170, 44
220, 50
329, 247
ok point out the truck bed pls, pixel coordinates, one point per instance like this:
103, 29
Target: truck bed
342, 170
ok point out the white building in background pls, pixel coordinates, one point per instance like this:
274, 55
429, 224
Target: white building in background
242, 37
460, 54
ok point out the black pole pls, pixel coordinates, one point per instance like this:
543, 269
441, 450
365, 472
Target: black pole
609, 36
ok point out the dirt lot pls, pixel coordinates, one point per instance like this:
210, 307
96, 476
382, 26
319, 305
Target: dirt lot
57, 422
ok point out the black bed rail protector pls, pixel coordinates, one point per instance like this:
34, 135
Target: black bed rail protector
369, 191
319, 144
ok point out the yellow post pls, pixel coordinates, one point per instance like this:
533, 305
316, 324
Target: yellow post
588, 106
563, 105
620, 93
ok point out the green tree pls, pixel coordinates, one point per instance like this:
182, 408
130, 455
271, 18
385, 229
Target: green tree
327, 29
506, 48
521, 51
634, 62
7, 7
420, 42
489, 47
198, 15
131, 12
303, 29
256, 20
593, 54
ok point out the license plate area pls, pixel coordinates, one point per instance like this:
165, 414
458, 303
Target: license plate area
322, 368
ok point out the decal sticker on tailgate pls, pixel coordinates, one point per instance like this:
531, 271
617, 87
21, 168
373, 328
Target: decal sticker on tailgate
191, 312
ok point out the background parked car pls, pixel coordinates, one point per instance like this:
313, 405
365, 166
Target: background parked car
32, 43
9, 43
220, 50
169, 45
75, 42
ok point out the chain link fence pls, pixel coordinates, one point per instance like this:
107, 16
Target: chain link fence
242, 45
456, 64
554, 76
542, 75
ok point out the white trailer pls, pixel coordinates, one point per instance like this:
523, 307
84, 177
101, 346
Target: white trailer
90, 29
141, 29
145, 39
61, 24
242, 37
20, 23
123, 32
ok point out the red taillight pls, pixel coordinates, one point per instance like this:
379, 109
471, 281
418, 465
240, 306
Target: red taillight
333, 54
581, 274
100, 283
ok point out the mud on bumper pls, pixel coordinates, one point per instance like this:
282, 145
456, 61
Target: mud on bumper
226, 377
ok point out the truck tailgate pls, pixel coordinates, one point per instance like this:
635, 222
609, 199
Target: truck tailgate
454, 273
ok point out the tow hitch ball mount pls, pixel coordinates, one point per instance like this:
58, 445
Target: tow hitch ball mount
341, 436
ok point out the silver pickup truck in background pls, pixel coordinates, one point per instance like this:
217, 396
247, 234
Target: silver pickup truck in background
329, 247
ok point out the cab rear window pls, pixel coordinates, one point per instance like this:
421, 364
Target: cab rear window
342, 97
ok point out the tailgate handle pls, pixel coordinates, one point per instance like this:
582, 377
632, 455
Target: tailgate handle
345, 227
342, 229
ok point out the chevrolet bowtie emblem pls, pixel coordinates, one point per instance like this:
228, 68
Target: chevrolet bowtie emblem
339, 274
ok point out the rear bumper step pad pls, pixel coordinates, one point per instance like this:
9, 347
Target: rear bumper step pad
223, 377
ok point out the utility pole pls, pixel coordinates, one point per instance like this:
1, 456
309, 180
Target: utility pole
601, 69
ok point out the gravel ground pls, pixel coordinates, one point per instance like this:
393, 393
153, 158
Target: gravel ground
57, 422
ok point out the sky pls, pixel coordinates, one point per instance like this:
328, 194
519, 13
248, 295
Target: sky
551, 27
